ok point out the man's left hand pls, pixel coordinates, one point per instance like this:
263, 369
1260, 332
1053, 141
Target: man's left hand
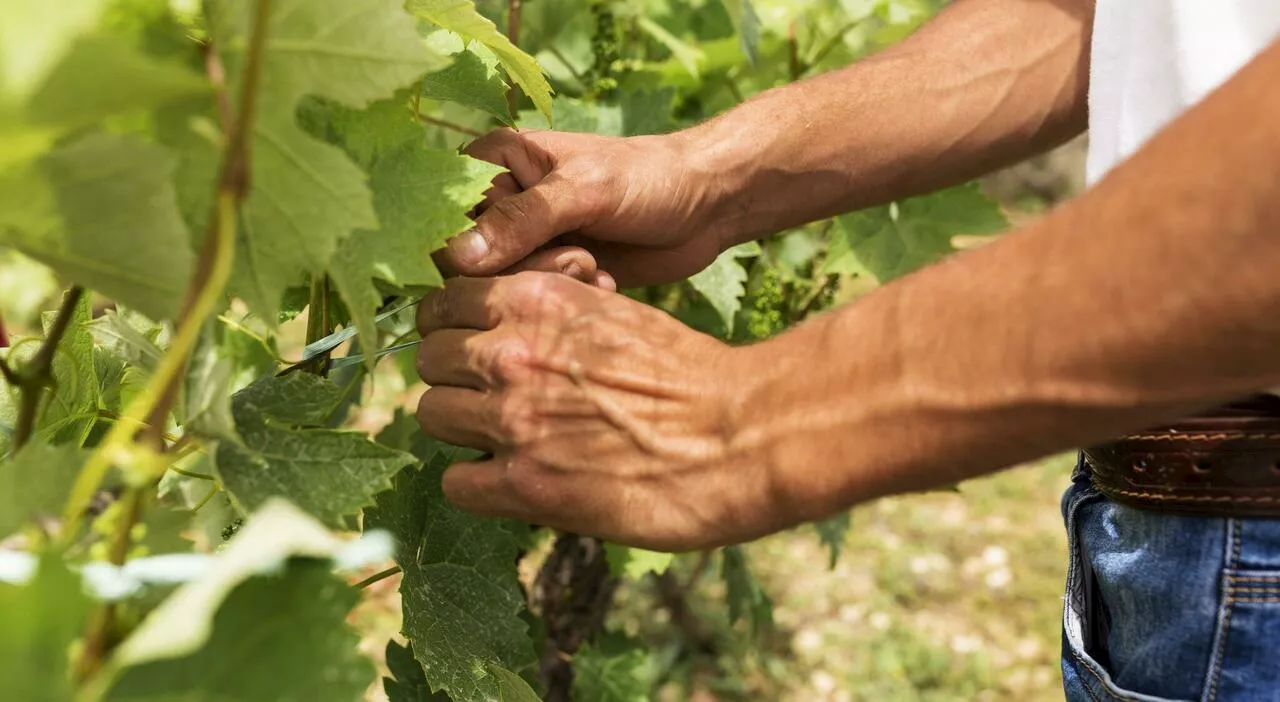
604, 416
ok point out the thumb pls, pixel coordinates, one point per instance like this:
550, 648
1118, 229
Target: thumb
516, 226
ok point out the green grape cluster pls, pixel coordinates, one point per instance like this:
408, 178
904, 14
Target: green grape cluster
606, 47
766, 312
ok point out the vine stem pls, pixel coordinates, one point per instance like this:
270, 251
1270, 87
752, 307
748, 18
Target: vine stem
39, 375
445, 124
513, 34
376, 577
213, 270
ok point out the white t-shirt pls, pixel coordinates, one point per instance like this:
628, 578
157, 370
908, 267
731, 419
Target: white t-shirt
1152, 59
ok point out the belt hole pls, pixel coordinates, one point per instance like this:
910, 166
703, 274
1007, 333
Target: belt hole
1275, 467
1140, 465
1201, 466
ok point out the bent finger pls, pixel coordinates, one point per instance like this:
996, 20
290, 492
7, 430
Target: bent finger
458, 416
573, 261
464, 303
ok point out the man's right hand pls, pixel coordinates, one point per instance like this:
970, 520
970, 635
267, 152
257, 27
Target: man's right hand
632, 203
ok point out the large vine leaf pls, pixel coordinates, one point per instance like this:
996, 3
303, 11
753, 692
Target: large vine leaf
892, 240
422, 196
307, 196
724, 282
58, 72
328, 473
407, 683
300, 646
616, 669
462, 601
38, 624
182, 624
461, 17
102, 211
36, 483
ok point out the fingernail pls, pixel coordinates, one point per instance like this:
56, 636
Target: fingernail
573, 269
469, 248
605, 281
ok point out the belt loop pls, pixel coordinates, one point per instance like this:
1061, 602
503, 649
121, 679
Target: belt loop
1081, 473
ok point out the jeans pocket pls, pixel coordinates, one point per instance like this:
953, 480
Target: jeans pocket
1243, 667
1085, 673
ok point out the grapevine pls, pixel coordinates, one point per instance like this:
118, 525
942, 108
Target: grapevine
194, 504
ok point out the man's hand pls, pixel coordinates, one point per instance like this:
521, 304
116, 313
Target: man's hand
604, 416
631, 203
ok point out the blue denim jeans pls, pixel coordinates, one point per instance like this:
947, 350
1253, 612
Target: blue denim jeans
1161, 607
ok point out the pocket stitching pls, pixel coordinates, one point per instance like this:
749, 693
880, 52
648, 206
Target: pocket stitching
1224, 626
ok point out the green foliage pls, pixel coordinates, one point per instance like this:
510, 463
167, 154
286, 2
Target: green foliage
329, 473
305, 650
472, 81
35, 482
893, 240
723, 282
743, 593
618, 669
38, 624
461, 17
461, 599
635, 563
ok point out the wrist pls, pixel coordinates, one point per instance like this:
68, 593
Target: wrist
715, 167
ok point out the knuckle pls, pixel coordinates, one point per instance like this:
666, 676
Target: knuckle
515, 420
509, 362
532, 292
530, 484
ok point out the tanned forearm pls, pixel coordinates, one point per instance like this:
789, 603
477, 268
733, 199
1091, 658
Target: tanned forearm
985, 84
1153, 295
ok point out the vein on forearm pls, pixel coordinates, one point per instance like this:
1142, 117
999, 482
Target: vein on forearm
1152, 296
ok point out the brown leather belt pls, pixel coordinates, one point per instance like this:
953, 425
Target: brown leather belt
1226, 463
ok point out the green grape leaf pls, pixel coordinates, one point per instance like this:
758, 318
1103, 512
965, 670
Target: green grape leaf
307, 195
300, 646
299, 399
128, 335
422, 196
647, 112
328, 473
892, 240
512, 687
57, 74
747, 24
38, 624
205, 407
366, 135
35, 36
181, 624
462, 599
66, 414
471, 82
574, 115
723, 283
616, 669
35, 483
832, 533
743, 594
635, 563
102, 212
407, 683
461, 17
